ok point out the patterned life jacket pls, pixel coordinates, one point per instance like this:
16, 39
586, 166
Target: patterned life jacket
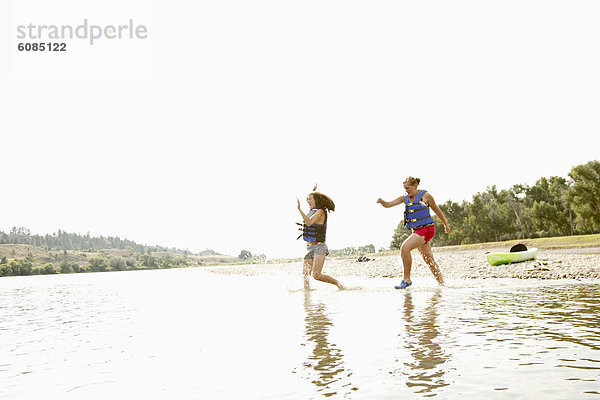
416, 213
315, 232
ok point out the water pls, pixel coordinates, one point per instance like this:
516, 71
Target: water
192, 334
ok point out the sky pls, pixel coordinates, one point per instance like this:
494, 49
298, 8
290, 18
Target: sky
203, 134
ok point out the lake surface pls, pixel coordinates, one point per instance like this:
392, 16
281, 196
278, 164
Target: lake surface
193, 334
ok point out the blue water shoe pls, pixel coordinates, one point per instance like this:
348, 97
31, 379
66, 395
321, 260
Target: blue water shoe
403, 285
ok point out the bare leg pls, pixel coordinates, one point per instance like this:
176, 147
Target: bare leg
411, 243
307, 272
316, 271
427, 254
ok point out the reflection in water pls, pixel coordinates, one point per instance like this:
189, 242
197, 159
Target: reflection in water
326, 360
66, 337
427, 354
546, 313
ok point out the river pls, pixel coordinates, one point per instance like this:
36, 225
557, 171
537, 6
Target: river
192, 334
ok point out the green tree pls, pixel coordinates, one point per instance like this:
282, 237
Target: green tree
48, 269
548, 206
400, 235
456, 214
245, 255
166, 261
584, 194
98, 264
118, 263
368, 249
5, 270
149, 261
131, 262
22, 267
29, 257
129, 251
258, 258
66, 267
519, 203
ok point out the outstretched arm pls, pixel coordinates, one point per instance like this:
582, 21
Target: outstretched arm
315, 218
388, 204
431, 203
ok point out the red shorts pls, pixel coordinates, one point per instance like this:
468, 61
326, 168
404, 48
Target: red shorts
427, 232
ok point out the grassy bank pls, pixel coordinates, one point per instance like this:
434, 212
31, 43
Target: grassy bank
559, 242
20, 259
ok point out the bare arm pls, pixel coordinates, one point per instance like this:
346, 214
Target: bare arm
431, 203
388, 204
317, 218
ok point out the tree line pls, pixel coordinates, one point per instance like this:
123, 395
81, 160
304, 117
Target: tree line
56, 259
52, 264
74, 241
553, 206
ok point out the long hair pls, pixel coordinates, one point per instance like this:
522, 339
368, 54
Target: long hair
323, 201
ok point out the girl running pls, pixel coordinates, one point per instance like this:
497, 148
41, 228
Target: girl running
313, 232
418, 219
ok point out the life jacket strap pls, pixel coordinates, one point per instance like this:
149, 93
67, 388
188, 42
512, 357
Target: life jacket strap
418, 219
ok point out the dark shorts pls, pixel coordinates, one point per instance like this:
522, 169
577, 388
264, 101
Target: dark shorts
315, 250
427, 232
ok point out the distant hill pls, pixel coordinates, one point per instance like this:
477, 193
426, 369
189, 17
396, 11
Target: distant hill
22, 259
23, 253
209, 252
73, 241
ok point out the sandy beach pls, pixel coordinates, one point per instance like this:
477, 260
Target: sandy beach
573, 263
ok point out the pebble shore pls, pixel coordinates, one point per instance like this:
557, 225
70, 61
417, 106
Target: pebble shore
575, 263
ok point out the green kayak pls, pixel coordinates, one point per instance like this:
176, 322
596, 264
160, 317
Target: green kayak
505, 257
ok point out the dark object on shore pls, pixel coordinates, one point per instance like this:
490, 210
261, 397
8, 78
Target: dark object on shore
506, 257
364, 259
518, 247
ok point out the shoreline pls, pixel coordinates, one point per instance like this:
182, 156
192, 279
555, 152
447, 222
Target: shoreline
562, 263
546, 243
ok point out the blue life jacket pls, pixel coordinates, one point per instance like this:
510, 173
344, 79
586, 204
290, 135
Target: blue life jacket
416, 213
315, 232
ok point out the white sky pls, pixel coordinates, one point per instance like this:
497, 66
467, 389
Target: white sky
203, 135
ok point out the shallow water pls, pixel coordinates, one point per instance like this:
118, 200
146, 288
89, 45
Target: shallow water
193, 334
